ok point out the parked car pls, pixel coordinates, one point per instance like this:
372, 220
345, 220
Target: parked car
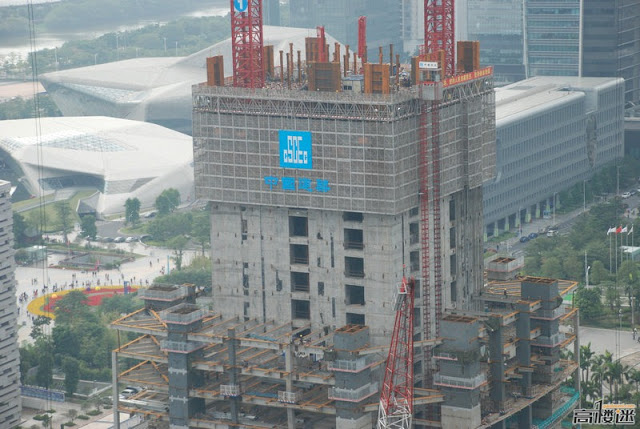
130, 239
533, 235
552, 232
524, 239
626, 194
119, 240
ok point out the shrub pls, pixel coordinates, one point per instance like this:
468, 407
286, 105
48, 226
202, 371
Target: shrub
69, 424
94, 412
83, 417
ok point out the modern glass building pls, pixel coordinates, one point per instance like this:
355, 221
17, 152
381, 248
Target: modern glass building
552, 37
498, 26
551, 133
612, 43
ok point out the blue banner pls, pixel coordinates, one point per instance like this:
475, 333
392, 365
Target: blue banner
295, 149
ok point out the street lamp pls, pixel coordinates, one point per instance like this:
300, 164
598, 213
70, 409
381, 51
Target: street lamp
95, 59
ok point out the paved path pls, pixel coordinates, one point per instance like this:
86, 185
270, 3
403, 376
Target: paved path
140, 271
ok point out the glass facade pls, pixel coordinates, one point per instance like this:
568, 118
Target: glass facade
553, 37
497, 24
613, 53
543, 142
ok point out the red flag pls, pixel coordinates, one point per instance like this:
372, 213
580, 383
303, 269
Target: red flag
619, 229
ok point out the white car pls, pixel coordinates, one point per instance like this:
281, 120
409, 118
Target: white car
626, 194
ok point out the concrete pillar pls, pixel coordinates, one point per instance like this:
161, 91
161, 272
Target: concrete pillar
518, 219
524, 418
496, 362
537, 210
496, 229
527, 216
288, 363
114, 388
233, 373
507, 225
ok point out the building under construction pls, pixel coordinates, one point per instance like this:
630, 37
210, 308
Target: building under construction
329, 181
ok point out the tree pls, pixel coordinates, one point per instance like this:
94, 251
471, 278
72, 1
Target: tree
46, 420
71, 369
177, 244
589, 302
72, 413
89, 228
167, 201
132, 210
19, 228
64, 217
586, 356
201, 229
598, 273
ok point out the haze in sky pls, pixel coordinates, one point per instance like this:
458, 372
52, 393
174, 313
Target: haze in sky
23, 2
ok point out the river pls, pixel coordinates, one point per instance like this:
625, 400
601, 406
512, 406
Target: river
19, 48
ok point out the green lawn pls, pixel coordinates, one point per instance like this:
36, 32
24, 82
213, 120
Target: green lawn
52, 223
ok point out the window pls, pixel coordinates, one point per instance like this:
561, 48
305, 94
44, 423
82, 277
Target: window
321, 288
352, 217
299, 254
298, 226
452, 265
452, 209
414, 212
299, 282
354, 295
353, 239
452, 238
353, 267
355, 319
454, 291
300, 309
414, 233
414, 261
245, 228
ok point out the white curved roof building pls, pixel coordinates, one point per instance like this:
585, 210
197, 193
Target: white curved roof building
154, 90
118, 158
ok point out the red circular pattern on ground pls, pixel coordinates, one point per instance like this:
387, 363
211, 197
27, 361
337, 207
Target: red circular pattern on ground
94, 297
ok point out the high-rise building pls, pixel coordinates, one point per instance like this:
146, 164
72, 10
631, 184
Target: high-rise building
529, 38
10, 404
323, 241
497, 25
552, 37
612, 43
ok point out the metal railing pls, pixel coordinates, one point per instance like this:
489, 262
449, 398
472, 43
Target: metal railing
230, 390
464, 383
353, 395
289, 397
358, 245
180, 346
165, 295
354, 273
342, 365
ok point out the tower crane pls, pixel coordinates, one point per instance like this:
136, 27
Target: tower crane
396, 398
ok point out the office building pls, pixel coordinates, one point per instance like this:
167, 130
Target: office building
551, 133
10, 403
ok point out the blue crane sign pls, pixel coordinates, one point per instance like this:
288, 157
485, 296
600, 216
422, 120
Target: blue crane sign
240, 5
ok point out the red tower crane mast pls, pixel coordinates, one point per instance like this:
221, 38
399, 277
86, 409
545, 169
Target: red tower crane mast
247, 43
323, 55
396, 398
362, 37
439, 31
